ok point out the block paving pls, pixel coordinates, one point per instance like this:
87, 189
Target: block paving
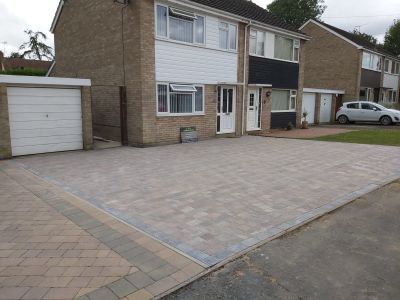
216, 198
55, 246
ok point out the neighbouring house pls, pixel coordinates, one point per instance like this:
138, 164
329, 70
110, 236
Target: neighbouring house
226, 67
12, 64
341, 66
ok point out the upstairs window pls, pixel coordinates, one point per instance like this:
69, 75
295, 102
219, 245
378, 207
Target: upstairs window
180, 25
286, 49
387, 65
372, 61
180, 99
257, 42
227, 36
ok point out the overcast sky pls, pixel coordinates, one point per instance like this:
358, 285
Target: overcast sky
19, 15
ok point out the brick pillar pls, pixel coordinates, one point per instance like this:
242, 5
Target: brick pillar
5, 139
299, 98
317, 107
87, 118
266, 105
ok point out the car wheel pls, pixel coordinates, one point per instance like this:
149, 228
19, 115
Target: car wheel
386, 121
343, 119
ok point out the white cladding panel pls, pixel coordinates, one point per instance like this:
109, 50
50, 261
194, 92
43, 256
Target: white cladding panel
177, 62
44, 120
391, 81
191, 64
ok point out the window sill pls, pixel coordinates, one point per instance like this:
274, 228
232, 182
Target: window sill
371, 69
282, 111
261, 56
180, 115
202, 46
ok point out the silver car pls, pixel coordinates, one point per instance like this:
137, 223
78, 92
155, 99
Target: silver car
362, 111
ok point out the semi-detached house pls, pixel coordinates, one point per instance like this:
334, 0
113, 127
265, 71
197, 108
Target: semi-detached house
226, 67
341, 67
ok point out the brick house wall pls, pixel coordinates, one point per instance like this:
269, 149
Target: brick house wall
96, 51
331, 62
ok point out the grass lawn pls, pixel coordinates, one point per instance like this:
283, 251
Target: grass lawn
387, 137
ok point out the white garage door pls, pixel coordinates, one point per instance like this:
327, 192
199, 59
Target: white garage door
326, 108
44, 120
309, 106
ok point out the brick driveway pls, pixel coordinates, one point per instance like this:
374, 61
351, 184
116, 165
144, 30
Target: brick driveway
218, 197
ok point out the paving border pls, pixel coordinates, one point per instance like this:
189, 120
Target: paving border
154, 274
293, 225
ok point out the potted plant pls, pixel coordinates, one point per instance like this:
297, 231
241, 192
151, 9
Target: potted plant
305, 122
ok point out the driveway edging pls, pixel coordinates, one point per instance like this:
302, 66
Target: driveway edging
322, 211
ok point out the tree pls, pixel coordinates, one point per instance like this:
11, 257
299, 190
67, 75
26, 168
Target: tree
36, 48
15, 55
366, 36
392, 38
297, 12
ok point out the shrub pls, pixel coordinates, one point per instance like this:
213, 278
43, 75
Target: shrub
289, 126
24, 72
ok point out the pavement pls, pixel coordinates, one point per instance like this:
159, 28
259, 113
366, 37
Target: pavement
56, 246
352, 253
214, 199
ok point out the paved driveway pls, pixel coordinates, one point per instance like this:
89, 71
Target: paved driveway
218, 197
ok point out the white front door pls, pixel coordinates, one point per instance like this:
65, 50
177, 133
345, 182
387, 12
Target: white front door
326, 108
253, 110
309, 107
226, 110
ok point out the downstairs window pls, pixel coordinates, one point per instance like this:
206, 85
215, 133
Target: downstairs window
283, 100
180, 99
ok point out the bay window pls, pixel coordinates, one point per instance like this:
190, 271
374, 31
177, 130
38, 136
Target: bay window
180, 25
257, 42
180, 99
283, 100
286, 48
227, 36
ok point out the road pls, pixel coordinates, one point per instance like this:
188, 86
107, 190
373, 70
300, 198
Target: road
352, 253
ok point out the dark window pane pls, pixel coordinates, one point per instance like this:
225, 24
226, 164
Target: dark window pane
218, 124
353, 106
224, 100
219, 100
230, 97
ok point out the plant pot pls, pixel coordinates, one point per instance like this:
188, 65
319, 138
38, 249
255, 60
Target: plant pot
304, 125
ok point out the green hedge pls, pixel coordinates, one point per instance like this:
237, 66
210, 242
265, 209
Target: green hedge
24, 72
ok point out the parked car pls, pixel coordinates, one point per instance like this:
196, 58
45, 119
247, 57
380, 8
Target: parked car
363, 111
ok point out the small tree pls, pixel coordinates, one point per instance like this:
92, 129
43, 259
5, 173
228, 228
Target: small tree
15, 55
392, 38
368, 37
297, 12
36, 48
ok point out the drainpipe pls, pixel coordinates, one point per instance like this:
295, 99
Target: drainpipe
244, 72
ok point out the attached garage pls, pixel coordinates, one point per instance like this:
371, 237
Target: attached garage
45, 115
320, 104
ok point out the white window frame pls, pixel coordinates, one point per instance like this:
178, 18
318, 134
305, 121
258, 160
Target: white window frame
296, 45
189, 90
183, 13
292, 97
227, 29
371, 66
256, 42
389, 66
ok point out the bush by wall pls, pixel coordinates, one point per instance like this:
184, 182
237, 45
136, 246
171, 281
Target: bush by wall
24, 72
